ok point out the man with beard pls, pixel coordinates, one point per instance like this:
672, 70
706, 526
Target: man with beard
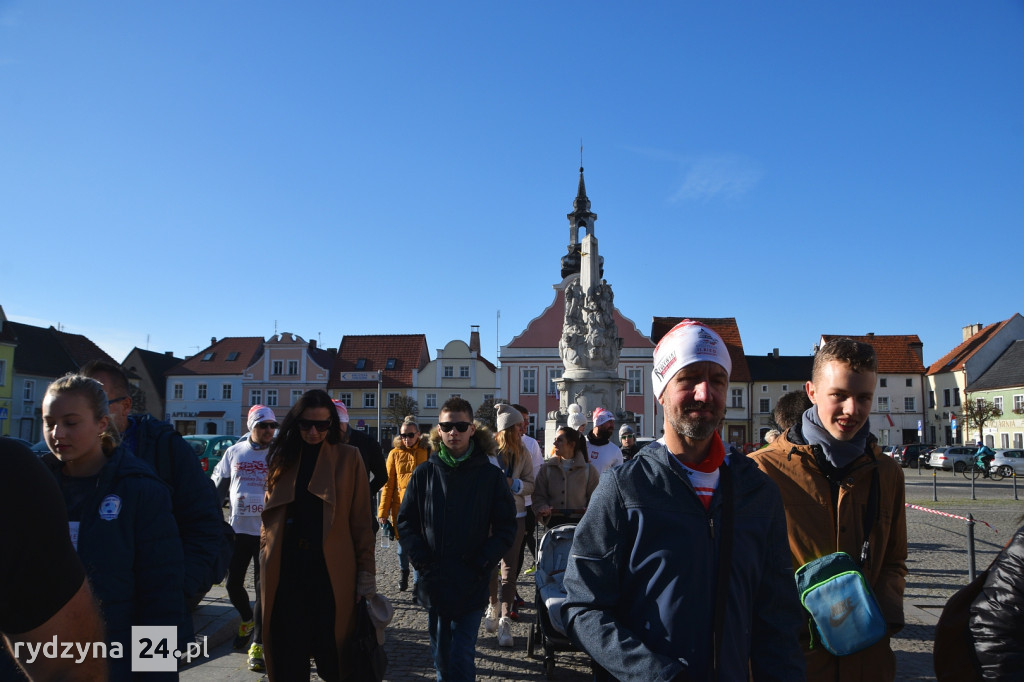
602, 451
679, 570
836, 485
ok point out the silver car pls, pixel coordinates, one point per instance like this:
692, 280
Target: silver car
955, 457
1006, 462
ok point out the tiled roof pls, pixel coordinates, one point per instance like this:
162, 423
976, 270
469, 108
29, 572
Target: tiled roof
154, 364
220, 355
51, 353
954, 360
896, 353
794, 368
1006, 372
323, 357
408, 350
726, 327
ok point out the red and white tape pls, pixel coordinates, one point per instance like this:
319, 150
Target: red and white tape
952, 516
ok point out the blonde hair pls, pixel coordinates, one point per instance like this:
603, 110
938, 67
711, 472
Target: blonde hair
96, 399
510, 444
411, 420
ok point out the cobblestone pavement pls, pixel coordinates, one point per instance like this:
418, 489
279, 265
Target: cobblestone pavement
937, 564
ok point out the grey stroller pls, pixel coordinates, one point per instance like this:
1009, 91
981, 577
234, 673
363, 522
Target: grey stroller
548, 633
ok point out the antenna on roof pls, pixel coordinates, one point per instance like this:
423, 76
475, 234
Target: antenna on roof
581, 153
275, 327
147, 341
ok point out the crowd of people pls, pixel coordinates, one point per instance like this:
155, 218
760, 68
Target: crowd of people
684, 561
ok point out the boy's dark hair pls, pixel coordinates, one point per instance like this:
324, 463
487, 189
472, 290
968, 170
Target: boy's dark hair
858, 355
115, 372
790, 409
455, 404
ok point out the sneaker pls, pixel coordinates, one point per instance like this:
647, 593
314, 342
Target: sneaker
518, 602
244, 633
505, 632
513, 613
531, 570
256, 658
491, 619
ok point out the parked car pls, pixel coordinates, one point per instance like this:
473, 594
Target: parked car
905, 454
1006, 461
210, 449
887, 450
955, 457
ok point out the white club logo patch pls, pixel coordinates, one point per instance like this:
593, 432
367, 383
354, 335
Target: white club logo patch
110, 507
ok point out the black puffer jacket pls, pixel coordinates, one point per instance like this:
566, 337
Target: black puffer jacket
455, 524
997, 615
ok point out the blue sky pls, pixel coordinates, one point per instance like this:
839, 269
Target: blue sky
173, 171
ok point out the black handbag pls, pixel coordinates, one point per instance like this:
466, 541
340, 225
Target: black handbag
369, 658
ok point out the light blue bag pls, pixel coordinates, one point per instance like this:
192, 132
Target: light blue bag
841, 603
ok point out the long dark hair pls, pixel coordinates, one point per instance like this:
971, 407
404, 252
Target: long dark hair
286, 448
578, 440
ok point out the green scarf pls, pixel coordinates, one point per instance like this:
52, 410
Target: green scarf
447, 458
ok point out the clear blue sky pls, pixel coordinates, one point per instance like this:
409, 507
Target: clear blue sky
181, 170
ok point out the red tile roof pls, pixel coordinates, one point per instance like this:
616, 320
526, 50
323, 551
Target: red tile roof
81, 349
247, 347
726, 327
408, 350
897, 353
954, 360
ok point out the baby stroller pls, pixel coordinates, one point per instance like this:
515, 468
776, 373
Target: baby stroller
548, 632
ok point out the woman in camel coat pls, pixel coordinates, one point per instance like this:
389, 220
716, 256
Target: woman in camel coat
317, 546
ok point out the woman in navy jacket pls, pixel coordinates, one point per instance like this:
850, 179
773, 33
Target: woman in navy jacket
120, 519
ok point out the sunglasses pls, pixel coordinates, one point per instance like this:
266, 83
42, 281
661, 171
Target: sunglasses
461, 427
320, 425
408, 435
628, 435
267, 425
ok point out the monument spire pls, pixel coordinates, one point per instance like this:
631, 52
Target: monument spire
580, 218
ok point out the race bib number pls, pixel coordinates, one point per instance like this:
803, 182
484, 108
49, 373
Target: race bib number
244, 508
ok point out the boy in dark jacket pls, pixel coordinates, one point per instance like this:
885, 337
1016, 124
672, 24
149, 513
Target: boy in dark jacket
457, 520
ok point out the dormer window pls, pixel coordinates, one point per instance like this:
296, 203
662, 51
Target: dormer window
391, 363
233, 355
361, 363
208, 357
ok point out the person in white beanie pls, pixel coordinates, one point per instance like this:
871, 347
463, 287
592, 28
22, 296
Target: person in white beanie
577, 420
601, 450
242, 475
680, 568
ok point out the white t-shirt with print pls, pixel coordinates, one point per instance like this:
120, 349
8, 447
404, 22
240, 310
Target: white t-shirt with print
247, 469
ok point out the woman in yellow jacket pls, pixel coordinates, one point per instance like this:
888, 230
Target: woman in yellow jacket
410, 450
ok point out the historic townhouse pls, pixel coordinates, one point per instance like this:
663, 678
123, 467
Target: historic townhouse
458, 370
146, 371
772, 377
1002, 385
288, 367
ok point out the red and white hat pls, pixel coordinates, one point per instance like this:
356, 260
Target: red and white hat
602, 416
259, 413
687, 343
342, 411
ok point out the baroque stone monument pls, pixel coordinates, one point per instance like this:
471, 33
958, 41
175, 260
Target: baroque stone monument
590, 343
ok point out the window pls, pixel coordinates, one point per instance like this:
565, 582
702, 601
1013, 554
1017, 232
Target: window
956, 396
392, 399
1004, 440
764, 405
29, 390
910, 382
346, 399
1018, 440
1018, 403
201, 392
882, 382
998, 402
431, 402
255, 396
296, 395
737, 397
271, 397
931, 399
553, 374
208, 357
463, 371
369, 400
634, 381
908, 404
529, 381
531, 430
454, 395
229, 428
945, 397
232, 356
883, 403
488, 396
361, 363
277, 367
785, 388
449, 371
764, 388
293, 367
225, 392
390, 364
3, 372
179, 391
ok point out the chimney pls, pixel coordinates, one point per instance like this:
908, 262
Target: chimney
775, 352
312, 344
474, 339
972, 329
169, 353
870, 334
213, 340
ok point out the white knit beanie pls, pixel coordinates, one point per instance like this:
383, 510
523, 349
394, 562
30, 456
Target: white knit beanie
576, 417
507, 416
